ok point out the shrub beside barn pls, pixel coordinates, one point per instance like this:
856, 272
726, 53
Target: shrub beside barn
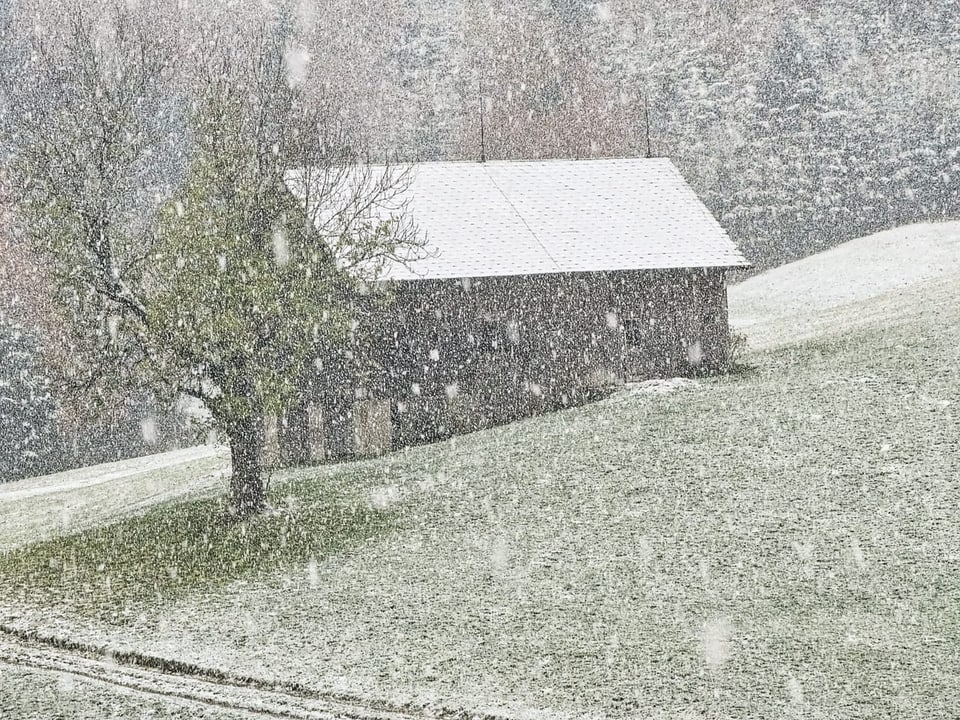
544, 283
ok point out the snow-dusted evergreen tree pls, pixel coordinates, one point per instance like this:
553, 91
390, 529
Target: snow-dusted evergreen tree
427, 106
790, 105
928, 162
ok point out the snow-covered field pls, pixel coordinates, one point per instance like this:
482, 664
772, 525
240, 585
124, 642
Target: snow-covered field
777, 544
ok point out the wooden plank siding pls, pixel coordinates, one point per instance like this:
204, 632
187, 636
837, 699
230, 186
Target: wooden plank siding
453, 356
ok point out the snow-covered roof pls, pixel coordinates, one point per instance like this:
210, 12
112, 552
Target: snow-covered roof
556, 216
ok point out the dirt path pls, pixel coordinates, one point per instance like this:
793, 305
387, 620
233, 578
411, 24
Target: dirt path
147, 680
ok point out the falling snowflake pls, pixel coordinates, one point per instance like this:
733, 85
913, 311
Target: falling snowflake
794, 692
384, 497
715, 641
113, 326
281, 249
297, 60
603, 12
695, 353
148, 429
313, 574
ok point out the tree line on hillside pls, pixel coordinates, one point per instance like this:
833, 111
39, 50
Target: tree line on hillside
800, 127
126, 136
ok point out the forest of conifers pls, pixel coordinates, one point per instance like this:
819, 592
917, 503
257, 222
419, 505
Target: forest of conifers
800, 124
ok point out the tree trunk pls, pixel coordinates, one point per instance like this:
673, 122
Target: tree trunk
246, 449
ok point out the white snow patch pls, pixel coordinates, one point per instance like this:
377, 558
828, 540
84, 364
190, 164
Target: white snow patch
658, 386
863, 281
74, 480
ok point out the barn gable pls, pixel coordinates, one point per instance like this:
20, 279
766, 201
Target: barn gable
542, 282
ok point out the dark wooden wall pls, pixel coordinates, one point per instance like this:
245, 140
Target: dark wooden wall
452, 356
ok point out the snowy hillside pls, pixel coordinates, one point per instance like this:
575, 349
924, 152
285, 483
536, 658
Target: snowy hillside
881, 278
38, 508
780, 543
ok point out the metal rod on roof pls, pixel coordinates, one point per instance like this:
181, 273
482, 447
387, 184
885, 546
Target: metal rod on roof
646, 124
483, 153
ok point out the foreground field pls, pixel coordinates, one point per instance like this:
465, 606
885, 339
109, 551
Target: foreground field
780, 543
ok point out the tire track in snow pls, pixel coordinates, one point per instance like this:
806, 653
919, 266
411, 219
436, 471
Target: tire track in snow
173, 679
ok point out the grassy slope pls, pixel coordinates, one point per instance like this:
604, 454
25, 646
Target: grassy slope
778, 544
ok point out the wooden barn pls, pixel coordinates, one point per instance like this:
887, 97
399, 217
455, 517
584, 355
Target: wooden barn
545, 283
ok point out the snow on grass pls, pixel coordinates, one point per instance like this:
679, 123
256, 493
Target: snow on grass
775, 542
656, 386
780, 543
98, 474
875, 280
39, 508
180, 547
